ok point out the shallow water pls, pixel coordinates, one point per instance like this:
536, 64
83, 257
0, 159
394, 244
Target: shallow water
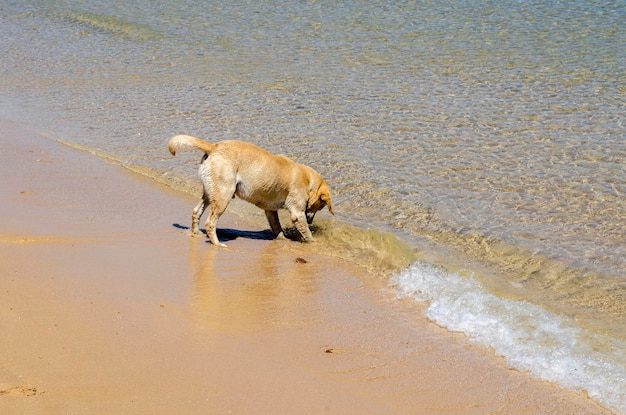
485, 137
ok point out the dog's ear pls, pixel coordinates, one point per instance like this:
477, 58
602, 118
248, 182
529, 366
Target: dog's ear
319, 196
326, 198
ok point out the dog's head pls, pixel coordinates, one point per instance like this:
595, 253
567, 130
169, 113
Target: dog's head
318, 199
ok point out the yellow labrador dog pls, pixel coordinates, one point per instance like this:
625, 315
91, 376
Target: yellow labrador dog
235, 168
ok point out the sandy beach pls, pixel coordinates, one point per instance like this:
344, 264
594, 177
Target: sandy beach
108, 305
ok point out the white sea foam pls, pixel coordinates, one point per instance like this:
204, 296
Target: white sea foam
548, 346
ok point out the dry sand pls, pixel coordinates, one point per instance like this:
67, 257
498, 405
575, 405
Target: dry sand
107, 305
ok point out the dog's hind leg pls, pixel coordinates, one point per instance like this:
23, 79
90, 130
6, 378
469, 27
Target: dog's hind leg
196, 214
211, 225
272, 218
218, 204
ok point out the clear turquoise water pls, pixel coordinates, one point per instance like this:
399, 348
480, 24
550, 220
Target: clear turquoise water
488, 136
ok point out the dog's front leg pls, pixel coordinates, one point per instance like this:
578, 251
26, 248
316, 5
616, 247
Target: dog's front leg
272, 218
299, 220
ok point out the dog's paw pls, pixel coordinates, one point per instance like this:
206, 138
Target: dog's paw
195, 231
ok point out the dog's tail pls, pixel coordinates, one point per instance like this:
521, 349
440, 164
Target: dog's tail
181, 142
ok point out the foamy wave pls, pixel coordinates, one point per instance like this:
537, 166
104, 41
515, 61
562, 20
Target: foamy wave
550, 347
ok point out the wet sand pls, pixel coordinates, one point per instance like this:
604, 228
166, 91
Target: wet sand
107, 305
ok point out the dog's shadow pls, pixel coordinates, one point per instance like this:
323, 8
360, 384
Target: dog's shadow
226, 234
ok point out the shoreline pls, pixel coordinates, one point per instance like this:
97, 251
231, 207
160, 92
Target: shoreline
108, 305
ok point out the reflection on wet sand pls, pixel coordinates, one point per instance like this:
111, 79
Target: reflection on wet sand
242, 291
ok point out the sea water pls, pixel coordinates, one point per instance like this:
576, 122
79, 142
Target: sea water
475, 149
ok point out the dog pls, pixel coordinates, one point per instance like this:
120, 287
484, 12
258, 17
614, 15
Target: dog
271, 182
